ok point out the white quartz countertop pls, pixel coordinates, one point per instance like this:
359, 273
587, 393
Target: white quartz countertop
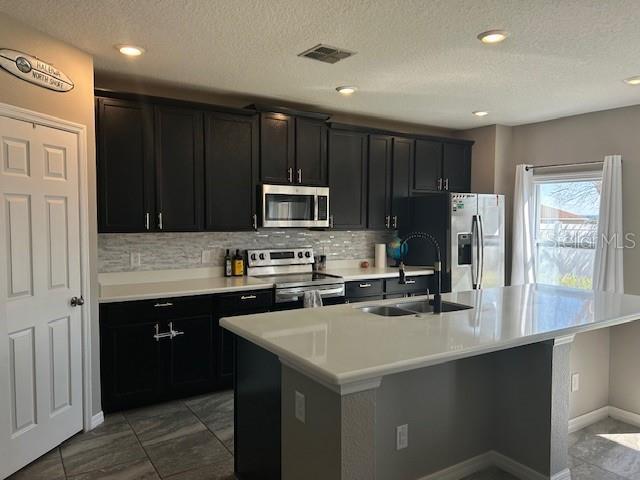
341, 346
130, 286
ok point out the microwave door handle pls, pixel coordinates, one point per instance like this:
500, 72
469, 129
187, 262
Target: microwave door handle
474, 252
481, 251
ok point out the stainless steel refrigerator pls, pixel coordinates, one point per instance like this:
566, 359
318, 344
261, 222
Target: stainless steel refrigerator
470, 229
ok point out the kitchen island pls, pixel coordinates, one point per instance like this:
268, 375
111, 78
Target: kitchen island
485, 385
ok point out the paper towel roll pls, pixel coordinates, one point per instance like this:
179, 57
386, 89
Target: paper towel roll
381, 255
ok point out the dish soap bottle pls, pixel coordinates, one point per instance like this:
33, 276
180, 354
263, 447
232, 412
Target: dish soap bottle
238, 264
227, 265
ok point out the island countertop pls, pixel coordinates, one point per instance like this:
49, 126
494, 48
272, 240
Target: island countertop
341, 346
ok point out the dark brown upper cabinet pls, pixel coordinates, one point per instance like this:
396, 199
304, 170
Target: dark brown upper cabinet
277, 148
231, 146
441, 165
179, 165
348, 179
403, 155
125, 171
293, 147
379, 188
427, 171
311, 152
456, 167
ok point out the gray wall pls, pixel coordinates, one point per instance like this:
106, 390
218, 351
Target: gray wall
76, 106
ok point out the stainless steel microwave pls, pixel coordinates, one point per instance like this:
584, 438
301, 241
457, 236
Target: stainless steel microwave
295, 206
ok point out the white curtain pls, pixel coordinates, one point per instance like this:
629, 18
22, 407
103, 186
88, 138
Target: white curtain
607, 268
523, 249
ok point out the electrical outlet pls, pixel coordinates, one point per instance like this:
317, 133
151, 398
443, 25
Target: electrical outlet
134, 258
207, 256
301, 413
575, 382
402, 436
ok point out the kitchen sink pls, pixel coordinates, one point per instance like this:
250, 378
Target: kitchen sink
386, 311
425, 306
411, 308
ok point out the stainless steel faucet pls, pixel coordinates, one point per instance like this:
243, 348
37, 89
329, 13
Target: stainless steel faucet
437, 267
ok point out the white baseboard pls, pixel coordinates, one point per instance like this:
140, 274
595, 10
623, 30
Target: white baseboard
96, 420
578, 423
625, 416
516, 469
462, 469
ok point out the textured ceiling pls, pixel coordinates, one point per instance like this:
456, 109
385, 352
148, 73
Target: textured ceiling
417, 61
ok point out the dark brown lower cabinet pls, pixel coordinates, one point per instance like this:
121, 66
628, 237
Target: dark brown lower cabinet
157, 350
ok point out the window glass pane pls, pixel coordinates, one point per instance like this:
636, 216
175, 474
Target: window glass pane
566, 231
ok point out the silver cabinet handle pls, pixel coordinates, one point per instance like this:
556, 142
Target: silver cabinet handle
409, 282
365, 285
160, 220
387, 221
290, 174
165, 304
255, 221
395, 221
146, 221
439, 184
174, 333
446, 184
248, 297
299, 175
157, 336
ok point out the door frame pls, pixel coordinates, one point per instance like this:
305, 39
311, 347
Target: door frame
30, 116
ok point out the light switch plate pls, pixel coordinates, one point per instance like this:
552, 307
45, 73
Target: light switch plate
301, 413
575, 382
207, 256
402, 436
134, 258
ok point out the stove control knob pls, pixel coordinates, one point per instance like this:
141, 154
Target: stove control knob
299, 254
307, 254
262, 256
253, 256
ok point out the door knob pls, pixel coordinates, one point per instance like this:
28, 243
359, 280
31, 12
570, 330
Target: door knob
77, 301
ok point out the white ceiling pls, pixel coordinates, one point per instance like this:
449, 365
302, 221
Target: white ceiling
418, 61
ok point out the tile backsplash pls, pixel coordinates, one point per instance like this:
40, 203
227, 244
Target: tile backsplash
160, 251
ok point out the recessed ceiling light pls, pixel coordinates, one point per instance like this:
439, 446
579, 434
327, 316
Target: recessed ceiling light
480, 113
346, 90
633, 80
493, 36
130, 50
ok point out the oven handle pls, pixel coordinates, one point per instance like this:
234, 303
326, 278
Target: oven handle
294, 294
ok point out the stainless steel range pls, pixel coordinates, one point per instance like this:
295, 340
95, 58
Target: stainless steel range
292, 273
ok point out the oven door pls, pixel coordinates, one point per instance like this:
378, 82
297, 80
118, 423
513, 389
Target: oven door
294, 206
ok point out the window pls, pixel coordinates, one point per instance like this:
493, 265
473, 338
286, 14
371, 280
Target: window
566, 228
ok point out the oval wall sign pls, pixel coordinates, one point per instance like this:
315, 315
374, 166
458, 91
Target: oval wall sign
34, 70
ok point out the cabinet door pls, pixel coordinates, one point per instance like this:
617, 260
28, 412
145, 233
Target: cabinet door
457, 167
125, 166
192, 355
427, 171
403, 150
311, 152
277, 148
348, 178
378, 213
179, 169
130, 364
231, 146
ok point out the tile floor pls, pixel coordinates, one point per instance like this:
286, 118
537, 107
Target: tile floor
193, 440
190, 439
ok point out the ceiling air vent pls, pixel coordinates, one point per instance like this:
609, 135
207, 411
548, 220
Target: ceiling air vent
326, 53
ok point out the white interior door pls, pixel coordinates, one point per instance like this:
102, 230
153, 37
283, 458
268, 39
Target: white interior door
40, 271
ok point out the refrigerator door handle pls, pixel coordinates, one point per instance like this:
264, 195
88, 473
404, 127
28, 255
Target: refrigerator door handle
481, 251
475, 249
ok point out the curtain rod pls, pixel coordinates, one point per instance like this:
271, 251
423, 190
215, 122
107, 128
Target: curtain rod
560, 165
